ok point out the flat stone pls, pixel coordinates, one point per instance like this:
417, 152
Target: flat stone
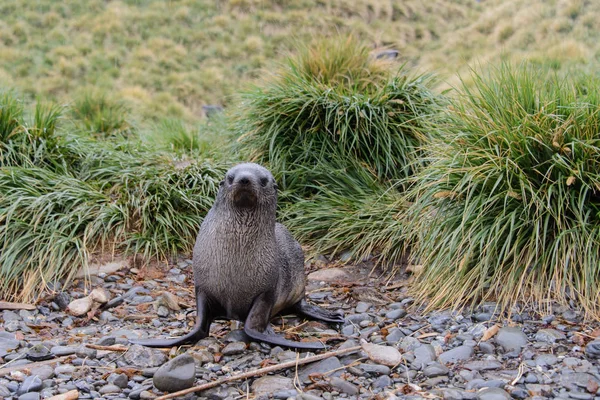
120, 380
409, 343
32, 383
549, 336
544, 360
234, 348
482, 365
144, 357
342, 386
511, 339
395, 314
30, 396
435, 369
177, 374
80, 307
380, 354
271, 384
493, 394
9, 344
382, 382
374, 369
320, 367
424, 354
362, 307
592, 349
329, 275
43, 372
60, 351
456, 354
107, 389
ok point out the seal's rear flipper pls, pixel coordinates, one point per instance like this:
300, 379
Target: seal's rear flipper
316, 312
199, 331
258, 328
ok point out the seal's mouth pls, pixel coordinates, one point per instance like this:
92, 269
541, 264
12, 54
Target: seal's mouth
244, 198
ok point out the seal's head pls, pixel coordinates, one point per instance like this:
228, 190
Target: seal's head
249, 185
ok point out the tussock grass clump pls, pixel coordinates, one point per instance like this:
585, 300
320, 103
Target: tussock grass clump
352, 212
335, 101
99, 115
508, 207
64, 197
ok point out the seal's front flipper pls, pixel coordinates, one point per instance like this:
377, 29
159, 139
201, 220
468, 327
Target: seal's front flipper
258, 328
316, 312
199, 331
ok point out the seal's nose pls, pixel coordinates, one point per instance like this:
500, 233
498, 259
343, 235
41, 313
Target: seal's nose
243, 180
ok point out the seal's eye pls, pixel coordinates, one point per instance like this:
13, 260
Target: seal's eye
230, 179
264, 181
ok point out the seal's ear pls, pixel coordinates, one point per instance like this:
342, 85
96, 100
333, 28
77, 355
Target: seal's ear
275, 185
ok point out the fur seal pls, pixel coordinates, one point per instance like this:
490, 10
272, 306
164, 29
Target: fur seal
247, 266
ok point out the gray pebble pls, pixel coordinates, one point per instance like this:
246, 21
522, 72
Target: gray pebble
30, 396
511, 339
593, 349
110, 388
43, 372
32, 383
144, 357
362, 307
342, 386
456, 354
549, 336
177, 374
487, 348
435, 369
119, 380
395, 314
493, 394
234, 348
320, 367
60, 351
382, 382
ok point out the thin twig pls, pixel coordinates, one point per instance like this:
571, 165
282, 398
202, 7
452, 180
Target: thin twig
262, 371
115, 347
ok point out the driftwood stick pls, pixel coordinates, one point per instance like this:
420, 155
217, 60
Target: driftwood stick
115, 347
7, 305
70, 395
8, 370
261, 371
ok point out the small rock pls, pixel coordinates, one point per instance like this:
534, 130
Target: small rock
493, 394
380, 354
395, 314
424, 354
120, 380
593, 349
81, 306
169, 300
32, 383
329, 275
374, 369
456, 354
271, 384
39, 352
60, 351
177, 374
362, 307
43, 372
320, 367
549, 336
86, 352
62, 300
234, 348
342, 386
382, 381
435, 369
144, 357
511, 339
107, 389
409, 343
237, 335
29, 396
100, 295
482, 365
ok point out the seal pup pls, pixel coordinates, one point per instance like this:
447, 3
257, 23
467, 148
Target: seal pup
247, 266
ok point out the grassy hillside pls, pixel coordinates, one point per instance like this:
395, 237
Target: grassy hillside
170, 58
